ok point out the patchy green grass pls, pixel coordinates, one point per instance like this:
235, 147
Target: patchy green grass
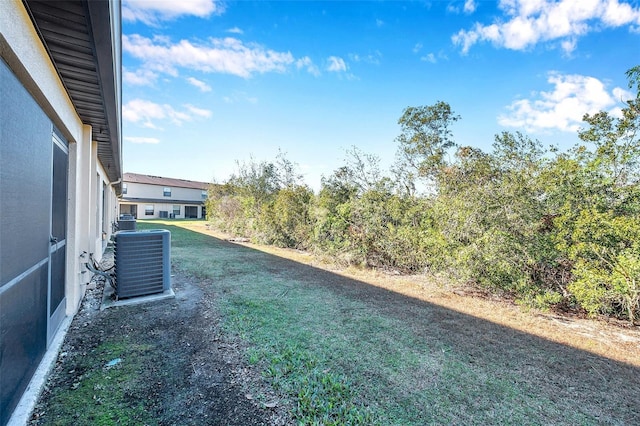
346, 353
100, 394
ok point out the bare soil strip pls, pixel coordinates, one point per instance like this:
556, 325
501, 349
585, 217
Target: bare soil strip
172, 366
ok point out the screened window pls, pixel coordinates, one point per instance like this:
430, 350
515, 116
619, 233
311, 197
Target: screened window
124, 188
167, 192
176, 211
148, 210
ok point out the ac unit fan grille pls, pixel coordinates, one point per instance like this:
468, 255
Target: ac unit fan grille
143, 263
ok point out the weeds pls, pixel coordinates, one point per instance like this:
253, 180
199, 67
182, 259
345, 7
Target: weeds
100, 394
322, 397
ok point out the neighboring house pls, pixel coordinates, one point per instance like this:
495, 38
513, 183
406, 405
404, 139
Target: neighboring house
60, 171
152, 197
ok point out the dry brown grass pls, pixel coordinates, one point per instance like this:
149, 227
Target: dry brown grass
609, 339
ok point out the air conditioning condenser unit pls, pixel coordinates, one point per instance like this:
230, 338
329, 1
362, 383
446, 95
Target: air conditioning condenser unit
143, 262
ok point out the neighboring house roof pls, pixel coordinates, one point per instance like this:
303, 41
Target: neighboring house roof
164, 181
84, 41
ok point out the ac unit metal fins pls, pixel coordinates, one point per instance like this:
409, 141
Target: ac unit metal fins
143, 262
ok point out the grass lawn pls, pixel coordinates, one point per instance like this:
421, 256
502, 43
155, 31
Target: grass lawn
347, 352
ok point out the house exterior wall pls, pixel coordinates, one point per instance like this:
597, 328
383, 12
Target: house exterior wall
143, 190
37, 94
105, 202
78, 233
160, 207
142, 195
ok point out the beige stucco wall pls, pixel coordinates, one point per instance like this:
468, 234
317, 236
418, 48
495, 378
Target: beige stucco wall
22, 50
179, 197
141, 190
157, 207
78, 229
101, 206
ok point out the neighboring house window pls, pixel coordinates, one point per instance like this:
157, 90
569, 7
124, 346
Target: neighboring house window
176, 211
204, 195
124, 188
167, 192
148, 210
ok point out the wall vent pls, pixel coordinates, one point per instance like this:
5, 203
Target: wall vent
143, 262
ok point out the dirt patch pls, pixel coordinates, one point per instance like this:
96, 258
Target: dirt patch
185, 370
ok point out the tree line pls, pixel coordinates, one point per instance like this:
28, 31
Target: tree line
551, 228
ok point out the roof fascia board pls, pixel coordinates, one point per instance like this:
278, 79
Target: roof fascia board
107, 47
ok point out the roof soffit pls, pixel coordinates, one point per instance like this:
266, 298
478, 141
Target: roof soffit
84, 46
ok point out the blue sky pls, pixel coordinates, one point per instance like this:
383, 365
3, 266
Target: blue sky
206, 83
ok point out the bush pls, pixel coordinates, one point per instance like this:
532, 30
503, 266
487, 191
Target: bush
547, 227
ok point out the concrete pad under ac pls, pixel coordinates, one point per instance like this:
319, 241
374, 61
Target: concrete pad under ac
109, 301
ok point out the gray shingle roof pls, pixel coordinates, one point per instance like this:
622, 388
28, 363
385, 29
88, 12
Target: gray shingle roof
164, 181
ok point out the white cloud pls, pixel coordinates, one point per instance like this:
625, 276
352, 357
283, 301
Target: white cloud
372, 58
139, 77
219, 55
529, 22
379, 23
235, 30
205, 113
430, 57
204, 87
306, 63
470, 6
563, 107
151, 12
138, 139
622, 95
433, 57
568, 46
618, 14
147, 113
336, 64
417, 47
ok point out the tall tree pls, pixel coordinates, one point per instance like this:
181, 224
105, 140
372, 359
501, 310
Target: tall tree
426, 137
